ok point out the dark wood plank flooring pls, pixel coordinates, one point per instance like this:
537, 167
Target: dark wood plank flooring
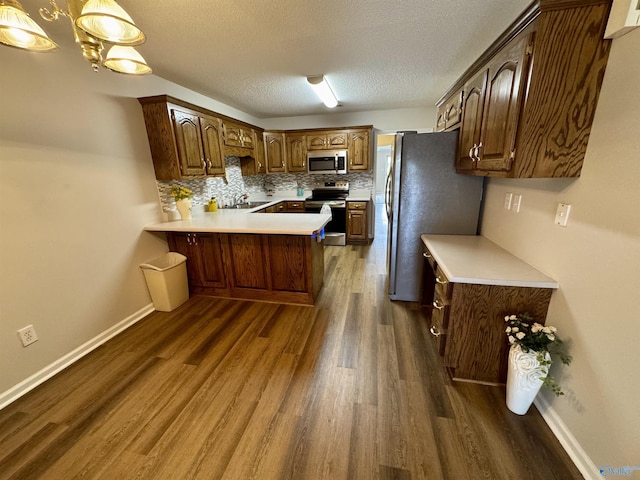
352, 388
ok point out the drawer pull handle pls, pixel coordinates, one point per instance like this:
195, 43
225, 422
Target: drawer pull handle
441, 281
434, 331
426, 255
438, 305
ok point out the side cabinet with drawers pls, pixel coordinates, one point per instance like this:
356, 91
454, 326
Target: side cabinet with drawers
467, 321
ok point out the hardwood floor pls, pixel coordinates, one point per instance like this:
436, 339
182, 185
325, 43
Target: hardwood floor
352, 388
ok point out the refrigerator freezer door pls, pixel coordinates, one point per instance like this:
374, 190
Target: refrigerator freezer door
428, 196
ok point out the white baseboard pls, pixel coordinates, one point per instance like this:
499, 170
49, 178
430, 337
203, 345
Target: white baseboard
50, 370
567, 440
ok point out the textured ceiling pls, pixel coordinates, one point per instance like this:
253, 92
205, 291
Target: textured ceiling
255, 55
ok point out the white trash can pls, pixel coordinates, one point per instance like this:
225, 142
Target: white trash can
166, 278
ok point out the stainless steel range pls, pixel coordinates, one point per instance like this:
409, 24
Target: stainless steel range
333, 194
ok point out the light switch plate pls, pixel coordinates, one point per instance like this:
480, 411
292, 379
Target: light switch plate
562, 214
507, 201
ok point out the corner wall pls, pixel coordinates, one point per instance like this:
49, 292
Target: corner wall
596, 260
77, 187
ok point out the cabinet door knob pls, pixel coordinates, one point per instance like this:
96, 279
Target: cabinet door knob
426, 255
434, 331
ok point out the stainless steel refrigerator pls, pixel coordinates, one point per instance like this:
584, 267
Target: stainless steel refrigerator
424, 194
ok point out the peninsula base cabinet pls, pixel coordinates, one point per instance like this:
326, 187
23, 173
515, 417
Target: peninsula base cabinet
271, 268
467, 321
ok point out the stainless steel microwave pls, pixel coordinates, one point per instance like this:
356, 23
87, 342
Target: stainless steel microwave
327, 161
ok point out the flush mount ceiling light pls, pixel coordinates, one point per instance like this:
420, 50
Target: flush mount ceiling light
323, 90
93, 22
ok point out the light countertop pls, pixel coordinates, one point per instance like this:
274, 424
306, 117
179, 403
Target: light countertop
475, 259
244, 221
362, 195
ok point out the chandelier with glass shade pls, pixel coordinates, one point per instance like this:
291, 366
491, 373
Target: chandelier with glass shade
94, 24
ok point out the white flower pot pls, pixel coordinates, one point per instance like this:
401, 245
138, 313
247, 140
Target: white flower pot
184, 208
525, 376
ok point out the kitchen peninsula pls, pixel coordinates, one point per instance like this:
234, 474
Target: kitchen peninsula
241, 254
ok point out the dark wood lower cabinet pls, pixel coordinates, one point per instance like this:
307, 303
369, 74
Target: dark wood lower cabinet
467, 321
272, 268
205, 269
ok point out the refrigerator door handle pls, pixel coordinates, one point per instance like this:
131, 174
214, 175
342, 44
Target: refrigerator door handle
387, 195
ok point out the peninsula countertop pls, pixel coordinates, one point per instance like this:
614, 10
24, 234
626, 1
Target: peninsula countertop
245, 221
476, 259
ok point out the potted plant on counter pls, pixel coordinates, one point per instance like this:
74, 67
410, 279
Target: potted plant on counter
530, 359
182, 196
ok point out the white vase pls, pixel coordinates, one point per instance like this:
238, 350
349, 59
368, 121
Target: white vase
184, 207
525, 376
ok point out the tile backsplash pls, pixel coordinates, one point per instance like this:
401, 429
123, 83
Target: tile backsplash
228, 189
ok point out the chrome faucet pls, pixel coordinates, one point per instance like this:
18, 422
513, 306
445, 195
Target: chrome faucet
239, 200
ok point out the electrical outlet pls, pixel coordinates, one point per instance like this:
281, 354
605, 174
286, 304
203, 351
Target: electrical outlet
507, 201
27, 335
562, 214
516, 203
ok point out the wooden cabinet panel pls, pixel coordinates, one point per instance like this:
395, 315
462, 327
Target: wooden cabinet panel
211, 130
256, 164
327, 140
212, 274
260, 152
236, 135
357, 225
450, 113
188, 143
337, 140
275, 152
491, 110
530, 99
295, 207
563, 91
473, 108
359, 151
505, 86
244, 270
184, 142
204, 254
288, 263
296, 153
476, 347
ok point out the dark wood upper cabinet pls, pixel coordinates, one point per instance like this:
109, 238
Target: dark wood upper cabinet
530, 99
275, 149
189, 143
211, 129
473, 108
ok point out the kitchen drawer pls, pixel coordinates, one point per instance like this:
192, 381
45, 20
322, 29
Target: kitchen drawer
427, 255
444, 288
295, 206
357, 205
440, 322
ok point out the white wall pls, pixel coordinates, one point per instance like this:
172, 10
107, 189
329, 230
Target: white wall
596, 259
76, 187
385, 121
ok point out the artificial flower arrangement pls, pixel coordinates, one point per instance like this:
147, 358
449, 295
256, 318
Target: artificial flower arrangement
180, 193
532, 336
